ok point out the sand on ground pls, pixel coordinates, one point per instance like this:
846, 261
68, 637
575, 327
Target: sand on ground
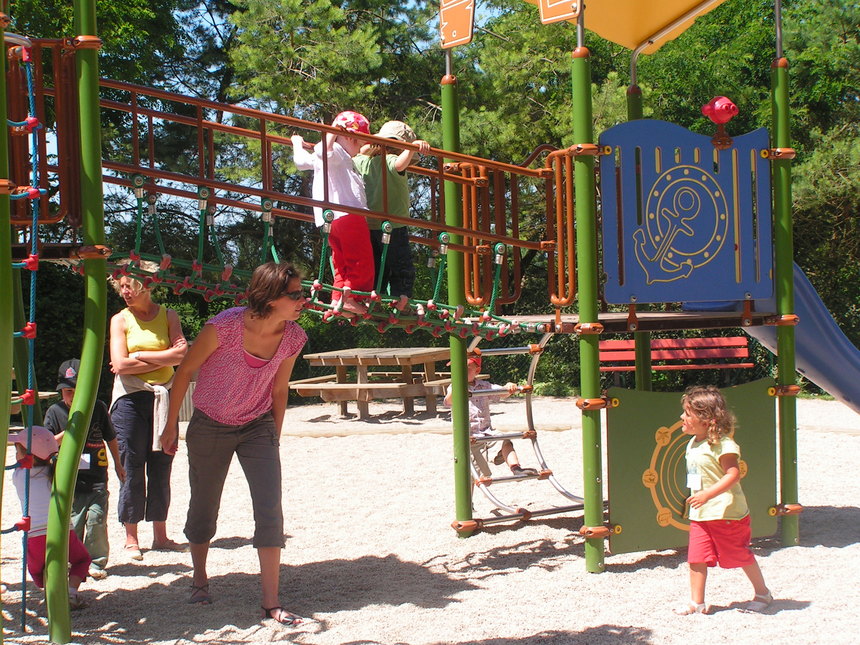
371, 557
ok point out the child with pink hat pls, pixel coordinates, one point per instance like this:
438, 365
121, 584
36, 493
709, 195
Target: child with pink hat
43, 449
349, 238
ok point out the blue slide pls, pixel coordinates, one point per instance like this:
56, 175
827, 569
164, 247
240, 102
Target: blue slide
823, 354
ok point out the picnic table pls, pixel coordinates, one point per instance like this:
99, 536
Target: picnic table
402, 382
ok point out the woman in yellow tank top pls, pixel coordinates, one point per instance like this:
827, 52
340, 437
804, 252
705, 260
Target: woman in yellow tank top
146, 342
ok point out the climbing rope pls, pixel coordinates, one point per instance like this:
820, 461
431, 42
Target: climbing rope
27, 400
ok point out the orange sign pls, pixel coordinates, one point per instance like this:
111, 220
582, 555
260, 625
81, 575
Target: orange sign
557, 10
456, 22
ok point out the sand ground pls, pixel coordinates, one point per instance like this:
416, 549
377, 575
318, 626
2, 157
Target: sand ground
371, 556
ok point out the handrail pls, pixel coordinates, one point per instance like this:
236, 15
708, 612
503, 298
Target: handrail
490, 190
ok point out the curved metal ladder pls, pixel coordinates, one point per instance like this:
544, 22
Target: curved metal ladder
480, 468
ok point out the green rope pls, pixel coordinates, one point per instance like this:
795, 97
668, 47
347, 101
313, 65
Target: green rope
137, 182
328, 216
386, 229
500, 249
444, 238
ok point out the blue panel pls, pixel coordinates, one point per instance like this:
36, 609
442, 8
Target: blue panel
682, 221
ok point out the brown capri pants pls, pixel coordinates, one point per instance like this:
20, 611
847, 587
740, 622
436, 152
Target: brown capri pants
211, 446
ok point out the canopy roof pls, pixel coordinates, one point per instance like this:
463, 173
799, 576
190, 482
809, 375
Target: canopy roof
631, 23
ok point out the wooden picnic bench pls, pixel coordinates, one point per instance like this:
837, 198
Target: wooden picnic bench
404, 383
701, 353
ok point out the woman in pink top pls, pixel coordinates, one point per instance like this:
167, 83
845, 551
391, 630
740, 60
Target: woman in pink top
244, 358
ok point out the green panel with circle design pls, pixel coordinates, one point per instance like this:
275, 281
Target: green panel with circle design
647, 472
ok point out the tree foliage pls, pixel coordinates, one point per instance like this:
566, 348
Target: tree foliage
312, 59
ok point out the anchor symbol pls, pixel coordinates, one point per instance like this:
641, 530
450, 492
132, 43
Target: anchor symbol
660, 266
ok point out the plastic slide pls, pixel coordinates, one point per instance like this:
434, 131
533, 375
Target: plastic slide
823, 354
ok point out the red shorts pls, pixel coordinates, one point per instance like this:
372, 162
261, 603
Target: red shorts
723, 542
79, 558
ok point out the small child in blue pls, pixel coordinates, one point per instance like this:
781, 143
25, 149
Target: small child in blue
479, 415
718, 511
90, 505
43, 452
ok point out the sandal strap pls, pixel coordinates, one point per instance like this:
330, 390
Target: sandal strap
278, 612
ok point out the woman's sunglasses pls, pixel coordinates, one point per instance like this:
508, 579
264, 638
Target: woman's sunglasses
295, 295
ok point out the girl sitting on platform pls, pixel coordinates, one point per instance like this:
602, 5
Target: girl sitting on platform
479, 415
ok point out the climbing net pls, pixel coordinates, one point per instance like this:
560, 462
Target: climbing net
32, 193
220, 280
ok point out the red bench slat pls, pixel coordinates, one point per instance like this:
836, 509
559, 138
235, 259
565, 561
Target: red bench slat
675, 351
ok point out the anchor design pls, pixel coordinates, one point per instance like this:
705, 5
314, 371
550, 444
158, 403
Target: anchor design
661, 265
680, 196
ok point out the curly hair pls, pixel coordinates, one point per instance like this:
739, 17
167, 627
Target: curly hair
269, 282
708, 403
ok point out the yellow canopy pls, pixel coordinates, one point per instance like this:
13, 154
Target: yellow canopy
631, 23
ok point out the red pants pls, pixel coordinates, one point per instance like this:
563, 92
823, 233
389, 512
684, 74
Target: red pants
351, 254
79, 558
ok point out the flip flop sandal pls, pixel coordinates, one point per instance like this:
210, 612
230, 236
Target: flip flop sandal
689, 607
282, 616
133, 551
170, 545
200, 595
759, 603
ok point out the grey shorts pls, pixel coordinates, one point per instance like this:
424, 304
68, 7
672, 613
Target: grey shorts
211, 446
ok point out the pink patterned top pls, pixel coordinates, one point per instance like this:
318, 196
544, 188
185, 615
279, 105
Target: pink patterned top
231, 391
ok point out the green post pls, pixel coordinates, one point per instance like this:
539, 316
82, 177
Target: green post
784, 271
95, 313
586, 262
6, 329
456, 296
641, 339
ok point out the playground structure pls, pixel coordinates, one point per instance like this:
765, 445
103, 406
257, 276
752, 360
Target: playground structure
680, 211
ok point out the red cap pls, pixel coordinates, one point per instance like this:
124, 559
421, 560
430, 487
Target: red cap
476, 360
352, 122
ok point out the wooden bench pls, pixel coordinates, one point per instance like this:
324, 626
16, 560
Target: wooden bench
439, 387
703, 353
365, 384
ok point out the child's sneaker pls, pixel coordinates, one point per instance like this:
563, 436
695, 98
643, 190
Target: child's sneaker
97, 574
690, 607
759, 603
519, 470
499, 459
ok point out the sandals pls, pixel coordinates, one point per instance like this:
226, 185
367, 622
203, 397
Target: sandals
200, 595
170, 545
690, 607
499, 459
759, 603
520, 471
134, 551
282, 616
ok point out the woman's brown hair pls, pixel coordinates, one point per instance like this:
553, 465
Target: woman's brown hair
269, 282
